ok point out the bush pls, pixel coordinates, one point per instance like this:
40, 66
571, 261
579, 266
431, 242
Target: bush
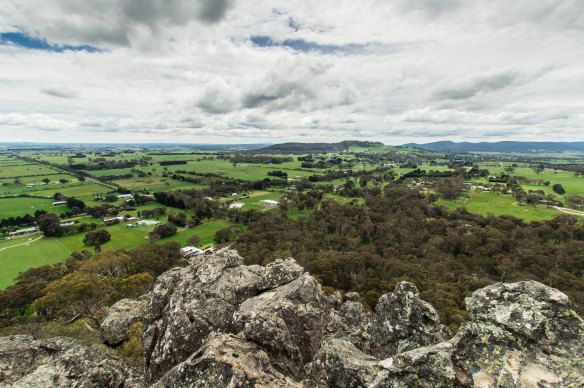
132, 349
164, 230
559, 189
194, 240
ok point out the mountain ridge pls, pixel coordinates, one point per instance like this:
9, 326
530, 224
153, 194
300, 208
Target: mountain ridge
500, 146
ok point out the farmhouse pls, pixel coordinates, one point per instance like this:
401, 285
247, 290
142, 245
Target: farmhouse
148, 222
236, 205
59, 203
22, 231
121, 196
114, 219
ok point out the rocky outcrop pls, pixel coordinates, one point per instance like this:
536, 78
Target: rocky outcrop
288, 321
60, 362
119, 318
519, 335
187, 304
219, 323
403, 322
280, 314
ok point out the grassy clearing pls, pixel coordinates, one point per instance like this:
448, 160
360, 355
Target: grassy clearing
341, 199
255, 198
490, 203
13, 207
38, 179
205, 231
38, 253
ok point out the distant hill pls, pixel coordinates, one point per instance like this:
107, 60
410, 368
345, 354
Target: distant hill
316, 147
501, 146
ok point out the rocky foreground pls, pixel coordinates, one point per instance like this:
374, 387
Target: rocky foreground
219, 323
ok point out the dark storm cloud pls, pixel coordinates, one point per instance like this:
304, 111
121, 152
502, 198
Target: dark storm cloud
212, 11
116, 21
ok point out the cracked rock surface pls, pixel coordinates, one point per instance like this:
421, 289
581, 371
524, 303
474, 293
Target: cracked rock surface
61, 362
220, 323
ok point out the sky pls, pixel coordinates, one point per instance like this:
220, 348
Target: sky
256, 71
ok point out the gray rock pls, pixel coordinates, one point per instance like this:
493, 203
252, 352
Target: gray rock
403, 322
339, 363
61, 362
118, 320
289, 321
226, 361
220, 323
186, 304
351, 323
425, 367
278, 273
520, 335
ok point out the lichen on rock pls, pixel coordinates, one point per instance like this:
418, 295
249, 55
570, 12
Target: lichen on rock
220, 323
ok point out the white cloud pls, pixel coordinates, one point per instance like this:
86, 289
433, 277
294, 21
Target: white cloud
399, 71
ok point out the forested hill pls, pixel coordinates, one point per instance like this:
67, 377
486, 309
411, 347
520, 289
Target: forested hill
501, 146
316, 147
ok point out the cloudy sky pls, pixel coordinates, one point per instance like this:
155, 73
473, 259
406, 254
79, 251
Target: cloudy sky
248, 71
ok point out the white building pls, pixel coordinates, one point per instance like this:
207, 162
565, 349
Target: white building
148, 222
190, 251
22, 231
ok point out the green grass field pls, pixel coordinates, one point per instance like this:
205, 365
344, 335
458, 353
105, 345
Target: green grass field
13, 207
255, 198
25, 170
485, 203
18, 259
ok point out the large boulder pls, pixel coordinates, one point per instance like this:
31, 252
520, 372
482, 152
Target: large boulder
187, 304
289, 321
119, 318
61, 362
404, 322
519, 335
